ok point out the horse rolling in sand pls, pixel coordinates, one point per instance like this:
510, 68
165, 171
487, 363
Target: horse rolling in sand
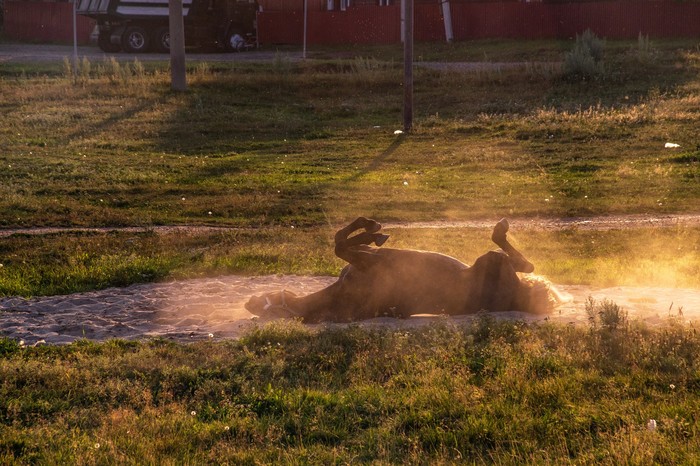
382, 282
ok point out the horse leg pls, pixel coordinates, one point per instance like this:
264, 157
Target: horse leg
519, 263
494, 283
314, 307
356, 250
343, 301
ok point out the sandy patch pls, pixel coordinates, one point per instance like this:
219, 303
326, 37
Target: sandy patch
188, 310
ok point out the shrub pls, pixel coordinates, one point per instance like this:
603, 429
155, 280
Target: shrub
584, 61
8, 346
645, 52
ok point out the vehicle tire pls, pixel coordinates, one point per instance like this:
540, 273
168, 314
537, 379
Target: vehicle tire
161, 40
105, 44
234, 42
135, 40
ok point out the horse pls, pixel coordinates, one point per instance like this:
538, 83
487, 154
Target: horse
387, 282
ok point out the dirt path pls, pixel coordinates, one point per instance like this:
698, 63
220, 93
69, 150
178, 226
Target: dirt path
194, 309
188, 310
611, 222
52, 53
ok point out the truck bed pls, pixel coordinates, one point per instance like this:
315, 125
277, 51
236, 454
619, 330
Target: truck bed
127, 8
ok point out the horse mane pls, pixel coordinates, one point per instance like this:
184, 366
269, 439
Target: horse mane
538, 295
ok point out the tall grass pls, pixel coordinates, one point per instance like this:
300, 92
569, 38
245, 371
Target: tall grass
585, 60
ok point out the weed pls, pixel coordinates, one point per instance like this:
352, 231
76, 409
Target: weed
645, 52
585, 60
281, 63
605, 314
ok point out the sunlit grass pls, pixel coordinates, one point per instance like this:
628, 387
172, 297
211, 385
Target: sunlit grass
485, 392
299, 148
288, 142
66, 263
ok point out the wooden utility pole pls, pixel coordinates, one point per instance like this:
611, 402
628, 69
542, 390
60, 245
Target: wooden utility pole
178, 72
408, 65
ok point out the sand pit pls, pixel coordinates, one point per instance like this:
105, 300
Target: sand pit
189, 310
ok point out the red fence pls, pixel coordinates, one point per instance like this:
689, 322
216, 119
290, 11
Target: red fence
359, 25
52, 22
474, 20
612, 20
44, 22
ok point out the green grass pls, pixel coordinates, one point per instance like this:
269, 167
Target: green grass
268, 147
66, 263
288, 142
487, 392
310, 145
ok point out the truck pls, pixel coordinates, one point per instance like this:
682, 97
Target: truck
138, 26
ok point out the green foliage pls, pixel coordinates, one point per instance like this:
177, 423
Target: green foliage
8, 346
645, 52
585, 60
482, 392
605, 314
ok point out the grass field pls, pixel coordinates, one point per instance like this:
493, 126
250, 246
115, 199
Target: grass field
311, 145
286, 152
491, 392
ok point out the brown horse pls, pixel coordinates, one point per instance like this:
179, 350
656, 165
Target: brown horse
402, 282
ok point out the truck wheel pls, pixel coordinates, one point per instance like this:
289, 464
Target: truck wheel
161, 40
234, 42
135, 40
105, 44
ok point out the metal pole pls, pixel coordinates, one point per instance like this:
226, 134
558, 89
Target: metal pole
75, 40
306, 12
408, 67
403, 21
447, 19
178, 72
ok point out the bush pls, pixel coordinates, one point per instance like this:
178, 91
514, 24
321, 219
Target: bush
8, 346
585, 59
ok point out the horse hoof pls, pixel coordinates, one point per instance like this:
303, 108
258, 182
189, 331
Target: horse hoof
380, 239
499, 231
372, 226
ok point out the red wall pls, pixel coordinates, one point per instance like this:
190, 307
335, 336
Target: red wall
359, 25
52, 22
476, 20
44, 22
612, 20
